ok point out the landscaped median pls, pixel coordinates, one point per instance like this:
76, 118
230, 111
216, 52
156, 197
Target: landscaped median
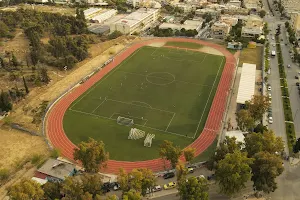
288, 116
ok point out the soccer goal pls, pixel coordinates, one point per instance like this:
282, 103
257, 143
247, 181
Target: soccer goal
135, 134
124, 121
148, 140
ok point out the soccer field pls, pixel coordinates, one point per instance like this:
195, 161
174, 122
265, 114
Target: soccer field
167, 92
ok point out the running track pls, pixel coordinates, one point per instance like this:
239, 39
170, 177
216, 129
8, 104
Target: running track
54, 121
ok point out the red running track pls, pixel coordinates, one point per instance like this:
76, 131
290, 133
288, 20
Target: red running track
58, 138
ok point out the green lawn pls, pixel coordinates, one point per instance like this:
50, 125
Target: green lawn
167, 92
184, 45
252, 56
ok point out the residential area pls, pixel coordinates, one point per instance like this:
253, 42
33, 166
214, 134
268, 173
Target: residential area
148, 99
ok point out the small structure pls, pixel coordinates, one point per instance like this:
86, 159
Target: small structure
148, 140
135, 134
56, 170
235, 45
124, 121
238, 134
251, 45
247, 83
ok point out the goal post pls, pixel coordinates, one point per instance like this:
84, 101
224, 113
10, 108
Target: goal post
135, 134
148, 140
124, 121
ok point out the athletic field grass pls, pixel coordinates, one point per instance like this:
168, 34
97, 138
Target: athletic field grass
189, 45
167, 92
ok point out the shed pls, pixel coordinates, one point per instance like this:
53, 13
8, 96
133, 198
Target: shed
247, 83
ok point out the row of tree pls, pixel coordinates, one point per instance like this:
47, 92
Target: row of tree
169, 32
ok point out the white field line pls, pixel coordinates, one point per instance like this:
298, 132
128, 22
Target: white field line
170, 121
98, 105
208, 98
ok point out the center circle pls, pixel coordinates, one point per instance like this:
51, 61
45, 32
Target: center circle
160, 78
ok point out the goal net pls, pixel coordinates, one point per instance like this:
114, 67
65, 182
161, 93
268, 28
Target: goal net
124, 121
135, 134
148, 140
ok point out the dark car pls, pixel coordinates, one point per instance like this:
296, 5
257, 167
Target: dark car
296, 77
105, 187
168, 175
210, 177
114, 185
297, 84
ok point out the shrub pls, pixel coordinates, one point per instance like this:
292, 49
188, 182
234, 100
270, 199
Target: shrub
4, 174
55, 153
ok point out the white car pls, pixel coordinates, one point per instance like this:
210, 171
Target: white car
270, 96
269, 88
270, 120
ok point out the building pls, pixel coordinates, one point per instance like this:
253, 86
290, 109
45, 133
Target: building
212, 12
290, 6
239, 135
220, 30
187, 25
234, 10
185, 7
136, 21
252, 4
253, 26
230, 20
234, 45
105, 15
91, 12
56, 170
236, 3
247, 83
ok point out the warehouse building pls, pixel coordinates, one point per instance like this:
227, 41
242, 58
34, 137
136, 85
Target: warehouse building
136, 21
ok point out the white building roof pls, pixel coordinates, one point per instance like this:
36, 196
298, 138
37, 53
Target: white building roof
136, 16
91, 11
239, 135
247, 83
39, 180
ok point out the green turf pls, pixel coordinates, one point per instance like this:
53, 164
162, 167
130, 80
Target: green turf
184, 45
167, 92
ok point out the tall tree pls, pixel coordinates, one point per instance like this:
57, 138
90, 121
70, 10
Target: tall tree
72, 189
244, 120
123, 180
52, 190
169, 152
112, 197
14, 60
132, 195
233, 172
181, 171
44, 75
265, 169
229, 145
26, 189
257, 142
92, 183
92, 154
189, 154
5, 102
25, 85
193, 189
258, 106
296, 147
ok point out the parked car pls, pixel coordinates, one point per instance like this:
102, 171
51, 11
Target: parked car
269, 88
270, 96
105, 187
296, 77
169, 185
288, 66
168, 175
114, 185
210, 177
297, 84
156, 188
270, 120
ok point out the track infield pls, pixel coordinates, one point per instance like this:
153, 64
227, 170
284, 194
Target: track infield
166, 91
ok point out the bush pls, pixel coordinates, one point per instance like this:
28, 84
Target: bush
36, 159
4, 174
55, 153
114, 35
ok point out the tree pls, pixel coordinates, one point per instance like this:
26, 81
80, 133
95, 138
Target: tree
268, 142
44, 75
296, 147
287, 24
112, 197
193, 189
92, 154
189, 154
25, 85
233, 172
168, 152
262, 13
265, 169
181, 171
114, 35
138, 180
52, 190
229, 145
26, 189
260, 128
14, 60
132, 195
245, 120
258, 106
92, 184
5, 102
72, 189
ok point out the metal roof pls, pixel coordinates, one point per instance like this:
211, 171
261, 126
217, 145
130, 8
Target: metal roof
247, 83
